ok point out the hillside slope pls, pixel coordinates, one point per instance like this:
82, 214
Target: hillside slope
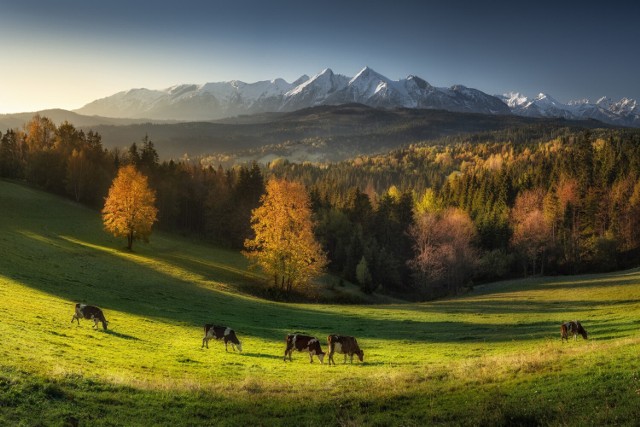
491, 357
324, 133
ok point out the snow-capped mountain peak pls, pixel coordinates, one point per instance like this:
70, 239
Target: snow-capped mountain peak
546, 99
623, 112
368, 83
514, 99
225, 99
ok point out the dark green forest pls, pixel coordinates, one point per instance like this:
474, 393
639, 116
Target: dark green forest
422, 221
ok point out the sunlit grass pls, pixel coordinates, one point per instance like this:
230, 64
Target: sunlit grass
490, 357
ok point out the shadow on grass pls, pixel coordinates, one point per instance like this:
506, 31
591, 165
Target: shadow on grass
261, 355
158, 287
559, 309
121, 335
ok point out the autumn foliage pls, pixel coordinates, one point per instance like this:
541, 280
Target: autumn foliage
443, 246
284, 245
129, 210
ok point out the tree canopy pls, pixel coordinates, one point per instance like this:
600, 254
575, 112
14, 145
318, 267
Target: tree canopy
129, 210
284, 245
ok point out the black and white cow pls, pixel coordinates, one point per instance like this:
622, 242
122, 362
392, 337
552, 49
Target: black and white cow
221, 333
344, 344
574, 328
302, 342
90, 312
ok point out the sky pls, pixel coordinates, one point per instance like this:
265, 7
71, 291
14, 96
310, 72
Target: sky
67, 53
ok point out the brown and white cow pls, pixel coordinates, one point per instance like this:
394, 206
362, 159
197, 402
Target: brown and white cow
90, 312
224, 333
574, 328
346, 345
301, 342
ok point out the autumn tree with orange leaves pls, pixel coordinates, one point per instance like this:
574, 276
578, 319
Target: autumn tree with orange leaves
284, 245
129, 210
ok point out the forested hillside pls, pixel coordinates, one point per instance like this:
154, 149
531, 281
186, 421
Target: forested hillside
566, 205
423, 221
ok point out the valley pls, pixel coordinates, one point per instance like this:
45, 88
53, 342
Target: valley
492, 356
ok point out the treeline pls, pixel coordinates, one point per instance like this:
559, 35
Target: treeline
424, 220
212, 203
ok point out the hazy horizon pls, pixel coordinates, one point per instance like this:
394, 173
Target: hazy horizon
67, 54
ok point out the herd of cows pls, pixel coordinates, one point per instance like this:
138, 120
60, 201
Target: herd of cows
342, 344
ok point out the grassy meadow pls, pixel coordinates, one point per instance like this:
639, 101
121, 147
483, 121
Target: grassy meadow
491, 357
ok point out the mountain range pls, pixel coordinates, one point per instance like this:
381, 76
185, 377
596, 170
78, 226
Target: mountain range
212, 101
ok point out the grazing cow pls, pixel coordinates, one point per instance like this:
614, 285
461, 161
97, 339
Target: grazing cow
84, 311
221, 333
302, 342
344, 345
574, 328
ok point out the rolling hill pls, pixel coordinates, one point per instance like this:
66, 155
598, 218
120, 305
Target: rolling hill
491, 357
318, 134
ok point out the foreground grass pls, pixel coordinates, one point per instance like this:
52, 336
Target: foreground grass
492, 357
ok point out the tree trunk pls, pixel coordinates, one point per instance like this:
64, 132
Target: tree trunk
130, 240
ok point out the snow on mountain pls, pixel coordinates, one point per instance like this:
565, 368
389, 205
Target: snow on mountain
123, 104
624, 112
473, 100
626, 107
605, 102
314, 91
514, 99
227, 99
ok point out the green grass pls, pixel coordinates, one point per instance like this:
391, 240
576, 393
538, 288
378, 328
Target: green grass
491, 357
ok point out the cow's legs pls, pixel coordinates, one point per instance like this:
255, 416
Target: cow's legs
331, 358
95, 322
311, 357
225, 346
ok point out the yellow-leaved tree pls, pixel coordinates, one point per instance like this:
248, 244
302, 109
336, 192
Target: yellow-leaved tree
129, 210
284, 245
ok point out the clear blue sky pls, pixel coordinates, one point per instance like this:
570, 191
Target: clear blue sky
66, 53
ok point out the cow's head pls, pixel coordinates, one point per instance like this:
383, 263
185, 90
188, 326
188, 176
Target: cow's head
320, 357
582, 331
239, 345
360, 355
